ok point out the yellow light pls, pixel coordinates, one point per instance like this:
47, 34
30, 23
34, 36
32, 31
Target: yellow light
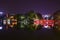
8, 21
12, 19
11, 16
13, 23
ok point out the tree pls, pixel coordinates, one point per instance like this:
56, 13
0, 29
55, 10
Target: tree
56, 16
20, 22
31, 15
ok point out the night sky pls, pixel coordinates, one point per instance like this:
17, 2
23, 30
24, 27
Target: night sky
22, 6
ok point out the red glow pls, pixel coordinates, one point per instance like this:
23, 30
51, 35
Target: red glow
36, 22
44, 22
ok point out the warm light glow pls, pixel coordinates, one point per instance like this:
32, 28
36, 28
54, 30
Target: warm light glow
12, 19
36, 21
11, 16
15, 22
8, 21
44, 22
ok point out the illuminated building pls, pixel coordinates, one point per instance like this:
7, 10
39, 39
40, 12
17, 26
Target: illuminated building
29, 21
10, 21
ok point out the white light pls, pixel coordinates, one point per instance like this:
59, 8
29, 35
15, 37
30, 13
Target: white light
8, 21
46, 16
46, 26
1, 13
0, 27
4, 21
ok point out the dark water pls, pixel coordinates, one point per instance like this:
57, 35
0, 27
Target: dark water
43, 34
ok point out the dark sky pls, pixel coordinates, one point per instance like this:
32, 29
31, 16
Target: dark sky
21, 6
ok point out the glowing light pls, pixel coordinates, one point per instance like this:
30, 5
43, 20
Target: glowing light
15, 22
11, 25
4, 21
46, 26
1, 28
1, 13
36, 21
46, 15
22, 26
12, 17
8, 21
22, 17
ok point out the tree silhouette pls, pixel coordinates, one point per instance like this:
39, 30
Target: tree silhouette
31, 15
56, 18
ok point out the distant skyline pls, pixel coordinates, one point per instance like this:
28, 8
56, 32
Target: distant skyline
22, 6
